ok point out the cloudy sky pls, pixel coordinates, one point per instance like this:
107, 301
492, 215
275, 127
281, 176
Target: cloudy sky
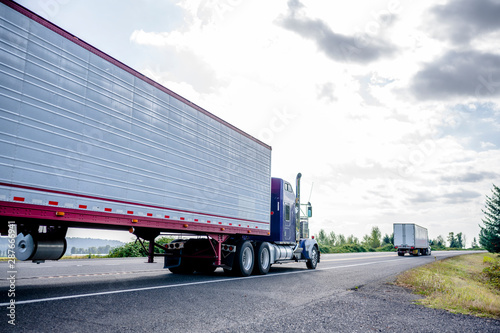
390, 109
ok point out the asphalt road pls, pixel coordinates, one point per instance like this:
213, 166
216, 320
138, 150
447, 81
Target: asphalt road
346, 293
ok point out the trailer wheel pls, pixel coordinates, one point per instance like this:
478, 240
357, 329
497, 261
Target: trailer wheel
262, 259
244, 259
401, 254
313, 262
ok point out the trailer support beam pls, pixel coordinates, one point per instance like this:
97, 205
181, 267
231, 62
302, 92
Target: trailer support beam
219, 239
151, 252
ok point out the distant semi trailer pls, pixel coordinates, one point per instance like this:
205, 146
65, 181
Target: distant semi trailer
411, 238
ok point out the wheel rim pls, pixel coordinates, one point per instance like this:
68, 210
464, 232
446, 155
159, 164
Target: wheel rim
247, 259
264, 258
314, 256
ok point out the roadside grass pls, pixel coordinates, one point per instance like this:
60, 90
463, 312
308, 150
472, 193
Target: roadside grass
466, 284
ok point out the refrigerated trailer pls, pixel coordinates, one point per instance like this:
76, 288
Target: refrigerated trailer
411, 238
88, 142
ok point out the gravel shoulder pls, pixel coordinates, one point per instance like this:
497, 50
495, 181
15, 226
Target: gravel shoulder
377, 307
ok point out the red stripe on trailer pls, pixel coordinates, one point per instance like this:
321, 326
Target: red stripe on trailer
53, 203
182, 218
149, 214
18, 199
108, 209
77, 218
167, 217
123, 202
196, 220
130, 212
82, 206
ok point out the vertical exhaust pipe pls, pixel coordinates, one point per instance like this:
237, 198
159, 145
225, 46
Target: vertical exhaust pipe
297, 206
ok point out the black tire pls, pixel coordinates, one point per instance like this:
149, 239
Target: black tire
401, 254
262, 259
313, 262
244, 259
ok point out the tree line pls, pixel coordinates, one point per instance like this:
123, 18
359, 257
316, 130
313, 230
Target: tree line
338, 243
91, 250
374, 241
135, 249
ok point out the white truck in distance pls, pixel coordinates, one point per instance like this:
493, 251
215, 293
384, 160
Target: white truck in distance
411, 238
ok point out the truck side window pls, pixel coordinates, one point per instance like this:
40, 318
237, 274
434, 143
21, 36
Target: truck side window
287, 212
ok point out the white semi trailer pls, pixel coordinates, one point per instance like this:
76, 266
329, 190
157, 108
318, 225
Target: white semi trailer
411, 238
88, 142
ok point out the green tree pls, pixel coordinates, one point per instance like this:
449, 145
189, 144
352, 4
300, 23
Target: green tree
322, 238
386, 239
440, 241
352, 240
341, 240
366, 240
474, 244
332, 239
376, 235
452, 240
460, 240
372, 240
489, 235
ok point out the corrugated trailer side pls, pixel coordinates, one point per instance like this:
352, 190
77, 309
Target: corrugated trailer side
421, 239
86, 140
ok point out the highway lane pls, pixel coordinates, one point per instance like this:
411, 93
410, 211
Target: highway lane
130, 295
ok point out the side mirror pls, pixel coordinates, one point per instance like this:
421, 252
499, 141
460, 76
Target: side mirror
309, 210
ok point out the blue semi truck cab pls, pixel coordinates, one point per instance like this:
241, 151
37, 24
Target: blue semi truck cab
288, 241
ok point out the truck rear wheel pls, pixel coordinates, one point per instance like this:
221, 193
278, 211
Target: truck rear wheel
262, 259
244, 259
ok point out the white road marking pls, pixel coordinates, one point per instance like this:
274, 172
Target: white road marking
58, 298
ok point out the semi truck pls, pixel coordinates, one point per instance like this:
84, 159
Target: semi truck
411, 238
88, 142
